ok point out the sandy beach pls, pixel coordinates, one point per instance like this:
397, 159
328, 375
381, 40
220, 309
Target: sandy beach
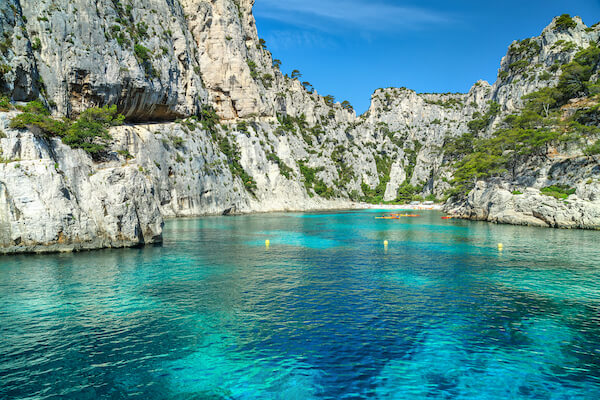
365, 206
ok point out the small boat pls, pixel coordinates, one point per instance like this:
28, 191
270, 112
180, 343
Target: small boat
448, 217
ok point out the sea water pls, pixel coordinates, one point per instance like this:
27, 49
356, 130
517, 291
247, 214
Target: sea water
326, 312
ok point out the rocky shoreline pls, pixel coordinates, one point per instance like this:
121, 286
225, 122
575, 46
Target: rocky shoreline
213, 126
492, 203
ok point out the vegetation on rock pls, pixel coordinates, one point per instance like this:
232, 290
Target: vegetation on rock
532, 132
564, 22
558, 191
88, 132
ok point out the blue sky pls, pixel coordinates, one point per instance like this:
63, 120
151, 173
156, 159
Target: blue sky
349, 48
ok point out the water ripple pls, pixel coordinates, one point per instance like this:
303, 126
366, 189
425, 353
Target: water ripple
325, 313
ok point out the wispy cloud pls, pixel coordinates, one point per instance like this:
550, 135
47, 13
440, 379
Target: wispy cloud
286, 39
365, 15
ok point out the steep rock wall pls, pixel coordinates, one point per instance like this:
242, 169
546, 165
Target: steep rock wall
278, 146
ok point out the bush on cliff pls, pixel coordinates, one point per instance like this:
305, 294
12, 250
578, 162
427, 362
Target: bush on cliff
530, 132
593, 149
575, 78
88, 132
564, 22
558, 191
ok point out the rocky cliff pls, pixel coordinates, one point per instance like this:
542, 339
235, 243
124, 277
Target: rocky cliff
213, 126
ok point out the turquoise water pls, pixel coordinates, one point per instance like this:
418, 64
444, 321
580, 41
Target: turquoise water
325, 313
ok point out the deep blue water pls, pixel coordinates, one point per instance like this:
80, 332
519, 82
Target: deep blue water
325, 313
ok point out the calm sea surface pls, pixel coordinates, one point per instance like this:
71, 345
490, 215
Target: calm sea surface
325, 313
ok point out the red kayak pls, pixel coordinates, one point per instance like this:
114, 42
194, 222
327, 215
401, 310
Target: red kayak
448, 217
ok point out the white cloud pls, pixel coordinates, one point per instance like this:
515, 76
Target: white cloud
285, 39
333, 15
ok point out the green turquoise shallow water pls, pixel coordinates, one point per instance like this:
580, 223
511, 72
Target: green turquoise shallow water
325, 313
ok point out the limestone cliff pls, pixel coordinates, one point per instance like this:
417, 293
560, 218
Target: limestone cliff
276, 146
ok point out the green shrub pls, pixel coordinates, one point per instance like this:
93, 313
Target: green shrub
89, 132
142, 29
141, 52
36, 44
267, 80
5, 104
450, 103
347, 106
309, 175
253, 71
308, 87
6, 44
36, 115
284, 169
593, 149
558, 191
329, 100
144, 55
525, 48
569, 46
481, 122
209, 118
177, 141
233, 161
125, 153
383, 165
431, 197
517, 192
564, 22
519, 66
323, 190
4, 69
242, 127
407, 193
459, 146
575, 78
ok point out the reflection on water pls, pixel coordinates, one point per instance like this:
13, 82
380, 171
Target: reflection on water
324, 313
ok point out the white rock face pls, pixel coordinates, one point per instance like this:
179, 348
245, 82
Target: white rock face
18, 71
488, 202
278, 147
91, 53
53, 198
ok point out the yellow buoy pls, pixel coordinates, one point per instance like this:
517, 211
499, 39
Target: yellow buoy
500, 246
267, 243
385, 243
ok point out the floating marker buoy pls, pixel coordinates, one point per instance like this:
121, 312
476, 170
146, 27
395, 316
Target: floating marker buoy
385, 243
267, 243
500, 246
